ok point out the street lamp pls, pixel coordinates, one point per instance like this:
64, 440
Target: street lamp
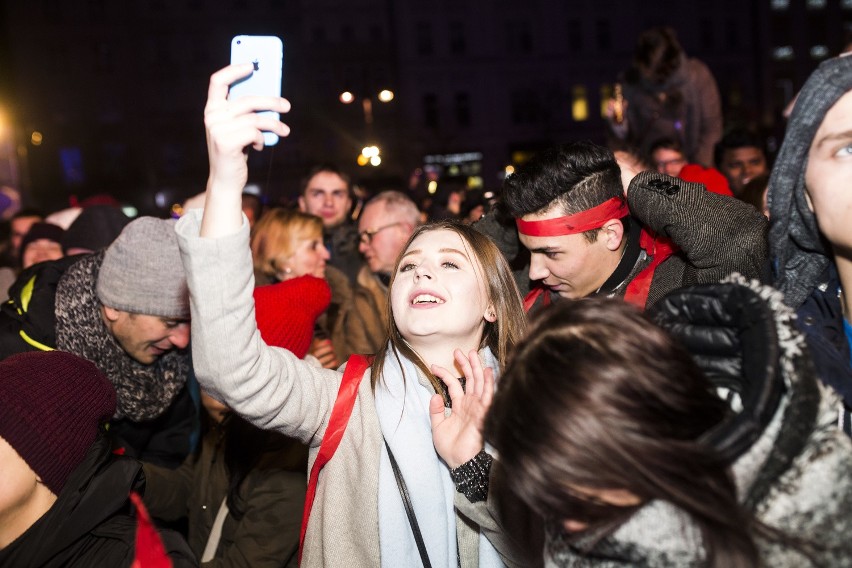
369, 154
385, 96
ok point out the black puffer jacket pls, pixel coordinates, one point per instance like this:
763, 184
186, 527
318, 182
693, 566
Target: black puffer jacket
789, 460
91, 523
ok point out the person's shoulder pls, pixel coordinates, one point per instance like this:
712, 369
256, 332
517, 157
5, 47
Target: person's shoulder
697, 68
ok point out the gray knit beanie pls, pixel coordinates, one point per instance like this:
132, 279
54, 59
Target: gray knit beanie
142, 271
796, 247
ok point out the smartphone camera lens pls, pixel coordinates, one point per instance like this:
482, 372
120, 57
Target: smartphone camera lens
239, 42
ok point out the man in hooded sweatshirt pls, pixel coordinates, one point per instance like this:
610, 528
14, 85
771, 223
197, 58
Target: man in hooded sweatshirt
810, 204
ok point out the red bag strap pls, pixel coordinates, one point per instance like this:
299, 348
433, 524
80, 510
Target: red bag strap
356, 366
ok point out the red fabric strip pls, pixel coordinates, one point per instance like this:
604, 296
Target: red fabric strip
340, 413
659, 249
593, 218
533, 295
150, 552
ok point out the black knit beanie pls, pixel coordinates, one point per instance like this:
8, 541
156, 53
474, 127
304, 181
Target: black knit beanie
41, 230
51, 407
95, 228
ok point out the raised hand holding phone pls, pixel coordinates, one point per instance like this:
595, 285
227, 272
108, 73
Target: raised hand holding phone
232, 126
266, 54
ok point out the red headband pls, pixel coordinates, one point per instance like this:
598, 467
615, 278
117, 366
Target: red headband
593, 218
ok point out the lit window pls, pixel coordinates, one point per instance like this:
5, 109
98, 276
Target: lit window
816, 4
580, 104
782, 53
606, 95
846, 4
819, 51
779, 4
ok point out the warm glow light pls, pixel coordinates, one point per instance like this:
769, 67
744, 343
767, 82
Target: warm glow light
375, 161
36, 138
580, 104
386, 96
363, 160
346, 97
432, 187
370, 151
510, 169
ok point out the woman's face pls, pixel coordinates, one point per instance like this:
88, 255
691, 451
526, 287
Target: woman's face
309, 257
438, 293
616, 497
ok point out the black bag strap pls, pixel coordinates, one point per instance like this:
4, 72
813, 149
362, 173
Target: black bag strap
409, 509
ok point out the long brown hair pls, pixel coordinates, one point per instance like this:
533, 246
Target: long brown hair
597, 397
500, 335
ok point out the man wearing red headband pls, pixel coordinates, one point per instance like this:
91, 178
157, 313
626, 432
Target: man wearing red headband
586, 236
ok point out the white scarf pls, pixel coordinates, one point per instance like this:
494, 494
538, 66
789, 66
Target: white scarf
403, 409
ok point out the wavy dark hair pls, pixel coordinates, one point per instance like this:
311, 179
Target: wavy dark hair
501, 335
597, 397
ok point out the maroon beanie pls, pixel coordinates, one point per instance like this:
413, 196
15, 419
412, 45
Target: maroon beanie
286, 312
51, 406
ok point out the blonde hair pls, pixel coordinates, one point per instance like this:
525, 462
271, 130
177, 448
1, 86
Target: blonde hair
274, 239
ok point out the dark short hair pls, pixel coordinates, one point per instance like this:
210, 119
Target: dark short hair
667, 143
734, 139
325, 167
575, 176
658, 52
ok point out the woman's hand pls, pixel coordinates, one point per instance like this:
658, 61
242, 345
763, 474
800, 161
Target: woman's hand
323, 350
231, 127
458, 438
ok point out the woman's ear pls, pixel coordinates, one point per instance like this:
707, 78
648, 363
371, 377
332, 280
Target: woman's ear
490, 314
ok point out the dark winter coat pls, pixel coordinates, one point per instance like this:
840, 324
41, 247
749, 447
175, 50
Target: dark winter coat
272, 497
91, 523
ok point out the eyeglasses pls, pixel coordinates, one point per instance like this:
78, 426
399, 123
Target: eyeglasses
366, 237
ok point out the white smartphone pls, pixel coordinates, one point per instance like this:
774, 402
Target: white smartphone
267, 55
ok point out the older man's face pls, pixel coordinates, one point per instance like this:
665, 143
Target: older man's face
383, 235
144, 337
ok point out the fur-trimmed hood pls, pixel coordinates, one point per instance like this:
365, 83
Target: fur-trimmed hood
789, 461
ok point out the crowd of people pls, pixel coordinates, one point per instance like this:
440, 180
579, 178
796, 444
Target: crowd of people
638, 355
